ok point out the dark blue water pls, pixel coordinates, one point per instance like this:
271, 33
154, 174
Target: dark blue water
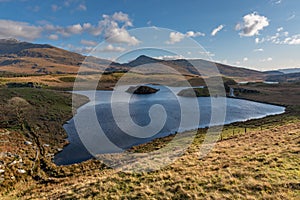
98, 113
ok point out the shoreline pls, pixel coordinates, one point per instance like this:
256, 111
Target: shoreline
175, 132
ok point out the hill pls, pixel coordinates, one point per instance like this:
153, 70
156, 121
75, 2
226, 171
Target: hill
187, 67
27, 58
290, 77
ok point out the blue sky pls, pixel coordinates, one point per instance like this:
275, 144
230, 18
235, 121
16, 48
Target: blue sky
257, 34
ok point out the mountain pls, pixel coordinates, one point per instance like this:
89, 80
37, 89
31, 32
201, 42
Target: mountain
187, 67
27, 58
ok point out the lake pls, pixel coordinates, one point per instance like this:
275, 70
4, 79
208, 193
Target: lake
98, 112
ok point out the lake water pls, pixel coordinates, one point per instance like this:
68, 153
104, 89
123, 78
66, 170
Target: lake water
237, 110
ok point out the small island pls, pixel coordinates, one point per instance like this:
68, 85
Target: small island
141, 89
194, 92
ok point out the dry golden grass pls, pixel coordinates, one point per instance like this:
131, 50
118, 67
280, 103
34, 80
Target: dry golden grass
107, 81
257, 165
260, 164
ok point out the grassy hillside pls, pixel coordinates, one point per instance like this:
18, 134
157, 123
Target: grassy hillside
258, 159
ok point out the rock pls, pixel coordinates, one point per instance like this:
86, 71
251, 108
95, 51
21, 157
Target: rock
21, 171
59, 149
141, 89
28, 143
46, 145
2, 171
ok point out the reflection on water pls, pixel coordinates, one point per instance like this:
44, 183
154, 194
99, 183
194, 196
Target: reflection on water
236, 110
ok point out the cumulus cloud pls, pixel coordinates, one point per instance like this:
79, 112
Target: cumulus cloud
122, 17
88, 42
281, 37
216, 30
15, 29
114, 28
175, 37
293, 40
120, 35
252, 24
74, 29
111, 48
111, 27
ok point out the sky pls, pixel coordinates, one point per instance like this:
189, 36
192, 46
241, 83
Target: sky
256, 34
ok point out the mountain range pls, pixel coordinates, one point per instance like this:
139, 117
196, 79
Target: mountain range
28, 58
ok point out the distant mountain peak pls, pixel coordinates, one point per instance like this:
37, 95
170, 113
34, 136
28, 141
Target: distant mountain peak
142, 59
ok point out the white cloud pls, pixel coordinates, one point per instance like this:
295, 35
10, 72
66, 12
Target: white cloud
115, 33
175, 37
293, 40
252, 24
53, 37
280, 29
194, 34
88, 42
245, 59
169, 57
122, 17
281, 38
216, 30
15, 29
257, 40
111, 27
258, 50
74, 29
277, 1
111, 48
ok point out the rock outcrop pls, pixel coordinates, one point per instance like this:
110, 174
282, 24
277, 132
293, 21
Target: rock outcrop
142, 89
